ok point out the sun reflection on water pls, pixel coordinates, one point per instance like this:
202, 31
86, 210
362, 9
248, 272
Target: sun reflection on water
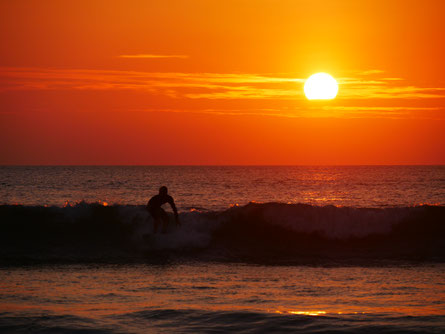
312, 312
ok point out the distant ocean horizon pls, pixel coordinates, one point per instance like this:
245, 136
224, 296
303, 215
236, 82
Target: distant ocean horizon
353, 185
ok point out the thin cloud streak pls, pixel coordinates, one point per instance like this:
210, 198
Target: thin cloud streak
153, 56
326, 112
369, 72
212, 86
349, 108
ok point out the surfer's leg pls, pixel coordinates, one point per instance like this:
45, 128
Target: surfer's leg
156, 222
156, 219
164, 218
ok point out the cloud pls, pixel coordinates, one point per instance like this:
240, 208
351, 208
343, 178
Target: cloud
186, 85
370, 108
395, 112
208, 85
348, 112
370, 72
358, 92
385, 88
153, 56
227, 112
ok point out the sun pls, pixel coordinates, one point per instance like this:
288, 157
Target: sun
320, 86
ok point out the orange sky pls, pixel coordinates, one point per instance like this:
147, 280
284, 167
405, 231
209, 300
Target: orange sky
220, 82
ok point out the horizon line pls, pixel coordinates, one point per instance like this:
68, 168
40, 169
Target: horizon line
222, 165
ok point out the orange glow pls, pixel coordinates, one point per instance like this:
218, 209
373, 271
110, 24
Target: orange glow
310, 313
222, 81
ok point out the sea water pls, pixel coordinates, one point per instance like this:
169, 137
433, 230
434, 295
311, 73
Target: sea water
217, 187
260, 249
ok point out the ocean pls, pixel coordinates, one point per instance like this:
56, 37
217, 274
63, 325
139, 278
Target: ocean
260, 249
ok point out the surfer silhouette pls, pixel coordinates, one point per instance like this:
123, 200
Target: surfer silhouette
156, 211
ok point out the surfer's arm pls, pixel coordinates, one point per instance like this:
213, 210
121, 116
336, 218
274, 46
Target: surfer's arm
175, 211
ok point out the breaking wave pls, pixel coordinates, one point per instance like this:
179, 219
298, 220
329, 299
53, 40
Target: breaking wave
264, 233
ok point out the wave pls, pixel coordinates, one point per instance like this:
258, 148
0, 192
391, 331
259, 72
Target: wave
260, 232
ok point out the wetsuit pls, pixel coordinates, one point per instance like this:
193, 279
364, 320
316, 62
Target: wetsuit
154, 207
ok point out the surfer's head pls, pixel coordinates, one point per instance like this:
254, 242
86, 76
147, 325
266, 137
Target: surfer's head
163, 190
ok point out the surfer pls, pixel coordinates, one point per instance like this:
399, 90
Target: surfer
158, 214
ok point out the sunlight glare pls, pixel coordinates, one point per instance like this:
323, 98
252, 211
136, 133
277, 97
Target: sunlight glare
320, 86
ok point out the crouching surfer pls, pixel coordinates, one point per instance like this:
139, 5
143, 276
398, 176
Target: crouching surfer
156, 211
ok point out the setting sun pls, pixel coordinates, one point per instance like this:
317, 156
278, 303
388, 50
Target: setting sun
320, 86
